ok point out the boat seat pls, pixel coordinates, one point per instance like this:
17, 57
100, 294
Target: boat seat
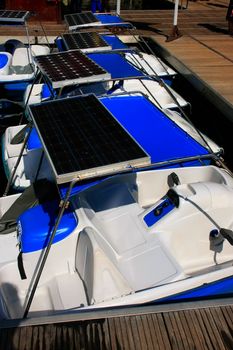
68, 292
84, 262
102, 280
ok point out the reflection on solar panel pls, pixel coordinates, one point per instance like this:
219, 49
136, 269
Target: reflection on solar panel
69, 68
13, 16
82, 138
80, 19
87, 42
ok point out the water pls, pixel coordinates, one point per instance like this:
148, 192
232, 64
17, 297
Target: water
207, 118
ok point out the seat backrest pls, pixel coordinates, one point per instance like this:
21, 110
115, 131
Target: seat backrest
84, 263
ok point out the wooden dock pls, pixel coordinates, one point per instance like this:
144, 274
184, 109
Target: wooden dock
204, 53
196, 326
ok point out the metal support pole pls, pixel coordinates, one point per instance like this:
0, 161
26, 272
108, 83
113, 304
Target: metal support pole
29, 94
118, 7
175, 31
63, 205
29, 50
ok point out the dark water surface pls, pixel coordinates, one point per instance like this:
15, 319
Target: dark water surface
207, 118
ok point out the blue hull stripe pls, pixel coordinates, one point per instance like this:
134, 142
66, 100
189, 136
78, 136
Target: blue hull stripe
216, 289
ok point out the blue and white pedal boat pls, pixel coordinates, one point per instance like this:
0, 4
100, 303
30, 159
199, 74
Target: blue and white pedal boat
97, 42
117, 75
17, 69
161, 134
78, 21
151, 65
148, 63
124, 77
144, 237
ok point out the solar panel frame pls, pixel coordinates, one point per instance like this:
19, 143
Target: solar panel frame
13, 16
98, 121
85, 41
81, 20
70, 68
75, 24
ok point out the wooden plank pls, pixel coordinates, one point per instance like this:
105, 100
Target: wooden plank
195, 330
135, 332
171, 331
212, 329
155, 340
204, 334
142, 335
125, 339
178, 329
188, 331
112, 334
130, 333
221, 323
147, 332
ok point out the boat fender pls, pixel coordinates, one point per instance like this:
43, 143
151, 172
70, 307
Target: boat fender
21, 267
173, 197
217, 238
173, 180
216, 241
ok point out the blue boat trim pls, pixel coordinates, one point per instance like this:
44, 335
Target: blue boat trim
60, 44
116, 65
34, 140
17, 85
218, 288
36, 224
114, 42
3, 60
107, 18
158, 212
158, 135
168, 79
45, 92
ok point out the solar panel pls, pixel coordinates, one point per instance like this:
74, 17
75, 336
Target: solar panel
13, 16
85, 41
83, 19
82, 138
88, 19
70, 68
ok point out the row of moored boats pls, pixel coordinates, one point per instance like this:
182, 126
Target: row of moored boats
116, 198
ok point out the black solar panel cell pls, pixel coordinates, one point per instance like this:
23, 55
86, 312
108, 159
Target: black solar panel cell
79, 134
79, 19
73, 66
13, 16
83, 41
